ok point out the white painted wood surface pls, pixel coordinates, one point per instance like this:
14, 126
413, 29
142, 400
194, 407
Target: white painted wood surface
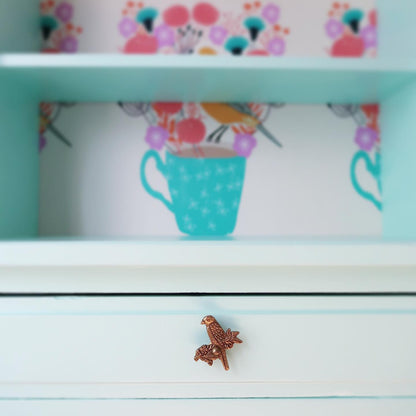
203, 266
142, 347
299, 407
200, 253
206, 279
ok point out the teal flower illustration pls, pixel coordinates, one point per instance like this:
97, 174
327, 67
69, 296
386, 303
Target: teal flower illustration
146, 17
236, 45
254, 25
48, 24
353, 18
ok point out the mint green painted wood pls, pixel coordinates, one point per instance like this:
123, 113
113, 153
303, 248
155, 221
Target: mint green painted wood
397, 29
398, 126
100, 78
18, 164
19, 26
19, 32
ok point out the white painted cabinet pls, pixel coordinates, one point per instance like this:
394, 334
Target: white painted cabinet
142, 347
112, 328
242, 407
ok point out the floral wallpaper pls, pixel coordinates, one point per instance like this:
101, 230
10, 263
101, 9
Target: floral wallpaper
367, 139
211, 159
59, 32
353, 32
250, 29
215, 27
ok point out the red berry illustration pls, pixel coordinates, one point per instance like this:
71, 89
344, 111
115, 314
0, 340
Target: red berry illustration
348, 46
176, 16
191, 130
205, 14
145, 44
167, 108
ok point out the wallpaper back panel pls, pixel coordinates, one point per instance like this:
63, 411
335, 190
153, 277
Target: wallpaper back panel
147, 169
214, 27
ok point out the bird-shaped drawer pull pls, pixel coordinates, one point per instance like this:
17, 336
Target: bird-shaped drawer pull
221, 341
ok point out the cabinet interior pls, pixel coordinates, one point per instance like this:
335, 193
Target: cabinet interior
27, 80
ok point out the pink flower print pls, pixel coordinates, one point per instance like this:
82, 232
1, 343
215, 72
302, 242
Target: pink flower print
366, 137
369, 35
142, 43
276, 46
217, 34
271, 13
244, 144
334, 28
127, 27
164, 35
205, 14
258, 52
64, 12
156, 137
372, 17
176, 16
348, 46
69, 44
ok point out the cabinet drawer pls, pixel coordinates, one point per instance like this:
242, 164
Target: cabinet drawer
143, 347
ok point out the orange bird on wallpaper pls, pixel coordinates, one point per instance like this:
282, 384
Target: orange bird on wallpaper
229, 114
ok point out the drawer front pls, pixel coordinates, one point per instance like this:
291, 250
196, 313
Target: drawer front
303, 407
143, 347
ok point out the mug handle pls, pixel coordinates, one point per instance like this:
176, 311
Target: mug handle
152, 154
373, 169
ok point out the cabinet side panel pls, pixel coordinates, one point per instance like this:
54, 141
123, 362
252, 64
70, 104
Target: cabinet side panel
19, 26
399, 166
19, 167
397, 29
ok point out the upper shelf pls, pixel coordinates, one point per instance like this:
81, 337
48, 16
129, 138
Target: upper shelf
202, 78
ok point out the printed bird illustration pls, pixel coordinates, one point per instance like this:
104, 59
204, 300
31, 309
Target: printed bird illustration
228, 114
224, 340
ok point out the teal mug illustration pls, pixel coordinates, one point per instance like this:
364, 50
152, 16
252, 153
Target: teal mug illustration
374, 168
205, 192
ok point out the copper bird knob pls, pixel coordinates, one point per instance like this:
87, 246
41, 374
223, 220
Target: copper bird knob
221, 341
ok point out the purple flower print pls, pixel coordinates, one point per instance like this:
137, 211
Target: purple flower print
217, 34
69, 44
276, 46
127, 27
64, 12
42, 142
244, 144
156, 137
369, 36
271, 13
366, 137
334, 28
165, 35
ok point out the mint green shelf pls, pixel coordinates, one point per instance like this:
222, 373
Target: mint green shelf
197, 78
